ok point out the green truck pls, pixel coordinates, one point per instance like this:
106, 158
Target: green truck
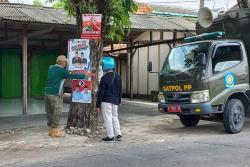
208, 77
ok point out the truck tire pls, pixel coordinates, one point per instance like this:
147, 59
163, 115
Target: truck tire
189, 120
234, 116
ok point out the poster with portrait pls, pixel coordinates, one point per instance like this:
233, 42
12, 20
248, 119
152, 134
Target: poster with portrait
81, 91
78, 55
91, 26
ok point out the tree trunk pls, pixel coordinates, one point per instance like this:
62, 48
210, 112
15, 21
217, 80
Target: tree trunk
81, 115
96, 54
84, 115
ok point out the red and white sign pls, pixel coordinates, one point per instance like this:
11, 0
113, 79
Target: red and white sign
91, 26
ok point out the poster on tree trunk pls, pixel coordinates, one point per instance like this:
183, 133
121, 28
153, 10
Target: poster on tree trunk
81, 91
91, 26
78, 55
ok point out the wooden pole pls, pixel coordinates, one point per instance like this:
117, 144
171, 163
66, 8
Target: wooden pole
201, 4
138, 71
131, 70
25, 69
159, 62
174, 38
151, 40
127, 74
147, 72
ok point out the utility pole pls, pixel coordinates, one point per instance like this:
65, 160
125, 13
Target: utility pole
201, 4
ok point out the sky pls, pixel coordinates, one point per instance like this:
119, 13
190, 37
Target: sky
191, 4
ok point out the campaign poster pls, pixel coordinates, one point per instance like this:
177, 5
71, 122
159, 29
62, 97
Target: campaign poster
81, 91
78, 55
91, 26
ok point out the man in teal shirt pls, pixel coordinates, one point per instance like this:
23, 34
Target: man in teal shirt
54, 93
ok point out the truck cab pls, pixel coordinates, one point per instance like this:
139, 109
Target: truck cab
206, 79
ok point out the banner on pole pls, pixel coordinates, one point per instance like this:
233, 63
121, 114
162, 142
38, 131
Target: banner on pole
91, 26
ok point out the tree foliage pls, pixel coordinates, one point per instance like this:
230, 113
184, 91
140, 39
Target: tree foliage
116, 13
37, 3
58, 5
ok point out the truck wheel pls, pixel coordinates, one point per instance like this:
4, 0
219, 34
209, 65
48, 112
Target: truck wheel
234, 116
189, 120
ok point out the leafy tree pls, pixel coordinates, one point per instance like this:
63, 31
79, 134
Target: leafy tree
58, 5
243, 3
116, 17
37, 3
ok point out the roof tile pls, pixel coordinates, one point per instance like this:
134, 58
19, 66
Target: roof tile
34, 14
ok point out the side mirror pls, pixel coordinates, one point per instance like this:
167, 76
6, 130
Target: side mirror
202, 61
150, 68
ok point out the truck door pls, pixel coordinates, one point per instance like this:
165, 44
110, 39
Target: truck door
227, 70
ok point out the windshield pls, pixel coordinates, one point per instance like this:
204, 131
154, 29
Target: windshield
184, 58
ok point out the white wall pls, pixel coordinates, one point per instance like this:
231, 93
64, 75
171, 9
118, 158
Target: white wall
144, 82
153, 77
164, 50
141, 81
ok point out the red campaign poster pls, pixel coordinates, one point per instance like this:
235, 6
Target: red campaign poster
81, 91
91, 26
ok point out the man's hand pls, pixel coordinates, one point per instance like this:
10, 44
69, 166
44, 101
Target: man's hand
88, 74
97, 109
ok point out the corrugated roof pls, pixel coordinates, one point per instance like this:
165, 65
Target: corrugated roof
171, 9
46, 15
156, 22
29, 13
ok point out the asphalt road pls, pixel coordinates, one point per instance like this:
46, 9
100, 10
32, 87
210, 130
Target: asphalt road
153, 140
226, 151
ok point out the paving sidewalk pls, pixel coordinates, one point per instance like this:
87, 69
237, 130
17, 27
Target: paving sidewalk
27, 121
129, 108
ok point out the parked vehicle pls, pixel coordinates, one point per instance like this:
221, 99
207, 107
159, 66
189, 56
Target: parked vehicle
208, 77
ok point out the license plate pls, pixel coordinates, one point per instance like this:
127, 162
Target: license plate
174, 109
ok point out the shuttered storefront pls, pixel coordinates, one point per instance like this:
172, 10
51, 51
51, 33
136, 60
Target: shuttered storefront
11, 73
40, 62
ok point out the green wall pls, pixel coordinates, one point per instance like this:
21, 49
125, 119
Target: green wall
1, 75
11, 73
40, 62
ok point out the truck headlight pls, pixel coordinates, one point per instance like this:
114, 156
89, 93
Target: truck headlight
200, 96
161, 97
